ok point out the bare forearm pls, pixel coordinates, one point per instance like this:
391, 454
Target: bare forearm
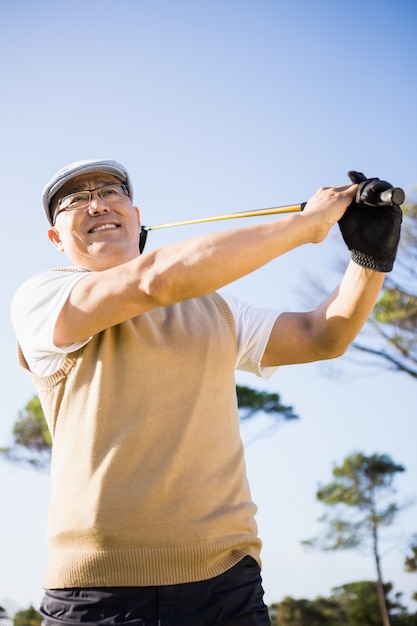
340, 318
326, 332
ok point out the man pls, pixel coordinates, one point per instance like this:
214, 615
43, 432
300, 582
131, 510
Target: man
133, 356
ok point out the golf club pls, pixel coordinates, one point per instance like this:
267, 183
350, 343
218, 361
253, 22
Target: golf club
289, 208
391, 196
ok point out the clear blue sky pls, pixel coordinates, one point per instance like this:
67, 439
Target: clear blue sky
217, 106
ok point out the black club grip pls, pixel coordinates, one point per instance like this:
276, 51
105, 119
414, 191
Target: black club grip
375, 192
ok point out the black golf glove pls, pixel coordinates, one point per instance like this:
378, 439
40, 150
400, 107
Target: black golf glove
370, 228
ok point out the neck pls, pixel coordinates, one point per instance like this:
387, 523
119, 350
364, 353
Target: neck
101, 262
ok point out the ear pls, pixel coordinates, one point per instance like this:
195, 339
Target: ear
137, 211
53, 236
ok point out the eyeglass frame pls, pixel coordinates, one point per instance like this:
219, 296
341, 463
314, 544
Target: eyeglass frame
89, 191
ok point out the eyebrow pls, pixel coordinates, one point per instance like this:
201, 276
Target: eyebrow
97, 183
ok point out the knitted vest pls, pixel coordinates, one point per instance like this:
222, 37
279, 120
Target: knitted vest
148, 476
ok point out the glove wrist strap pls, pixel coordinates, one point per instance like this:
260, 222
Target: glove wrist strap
373, 263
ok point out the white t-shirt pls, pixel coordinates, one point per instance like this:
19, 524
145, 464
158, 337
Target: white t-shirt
38, 302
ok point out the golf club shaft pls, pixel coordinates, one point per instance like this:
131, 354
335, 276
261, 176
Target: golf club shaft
290, 208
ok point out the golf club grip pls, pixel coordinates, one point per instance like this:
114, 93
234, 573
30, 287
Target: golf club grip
389, 197
392, 196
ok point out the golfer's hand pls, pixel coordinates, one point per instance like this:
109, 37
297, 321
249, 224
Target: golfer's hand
326, 207
372, 234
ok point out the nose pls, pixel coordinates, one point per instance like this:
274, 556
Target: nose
97, 204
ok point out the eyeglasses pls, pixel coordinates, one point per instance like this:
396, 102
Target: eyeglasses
110, 194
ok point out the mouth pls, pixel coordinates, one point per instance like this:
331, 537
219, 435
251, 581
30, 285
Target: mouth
102, 227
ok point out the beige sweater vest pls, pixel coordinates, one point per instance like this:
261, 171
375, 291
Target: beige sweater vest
148, 475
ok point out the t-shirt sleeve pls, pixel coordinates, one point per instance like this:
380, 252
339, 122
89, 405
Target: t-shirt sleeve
34, 311
253, 329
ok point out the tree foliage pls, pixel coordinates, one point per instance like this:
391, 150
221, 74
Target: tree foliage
251, 401
267, 406
32, 439
4, 618
353, 604
291, 612
31, 430
411, 559
27, 617
357, 499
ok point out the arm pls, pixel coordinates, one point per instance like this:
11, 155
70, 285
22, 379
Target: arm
326, 332
192, 268
371, 231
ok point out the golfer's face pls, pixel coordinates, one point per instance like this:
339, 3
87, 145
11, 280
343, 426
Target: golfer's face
95, 220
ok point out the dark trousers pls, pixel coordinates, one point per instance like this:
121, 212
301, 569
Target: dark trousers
234, 598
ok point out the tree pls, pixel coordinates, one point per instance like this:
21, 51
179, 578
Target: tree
252, 402
411, 559
353, 604
356, 498
28, 617
4, 618
32, 439
359, 601
292, 612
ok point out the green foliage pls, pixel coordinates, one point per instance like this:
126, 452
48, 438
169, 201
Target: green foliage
4, 618
32, 439
356, 498
291, 612
28, 617
252, 401
353, 604
396, 307
359, 602
411, 560
31, 430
